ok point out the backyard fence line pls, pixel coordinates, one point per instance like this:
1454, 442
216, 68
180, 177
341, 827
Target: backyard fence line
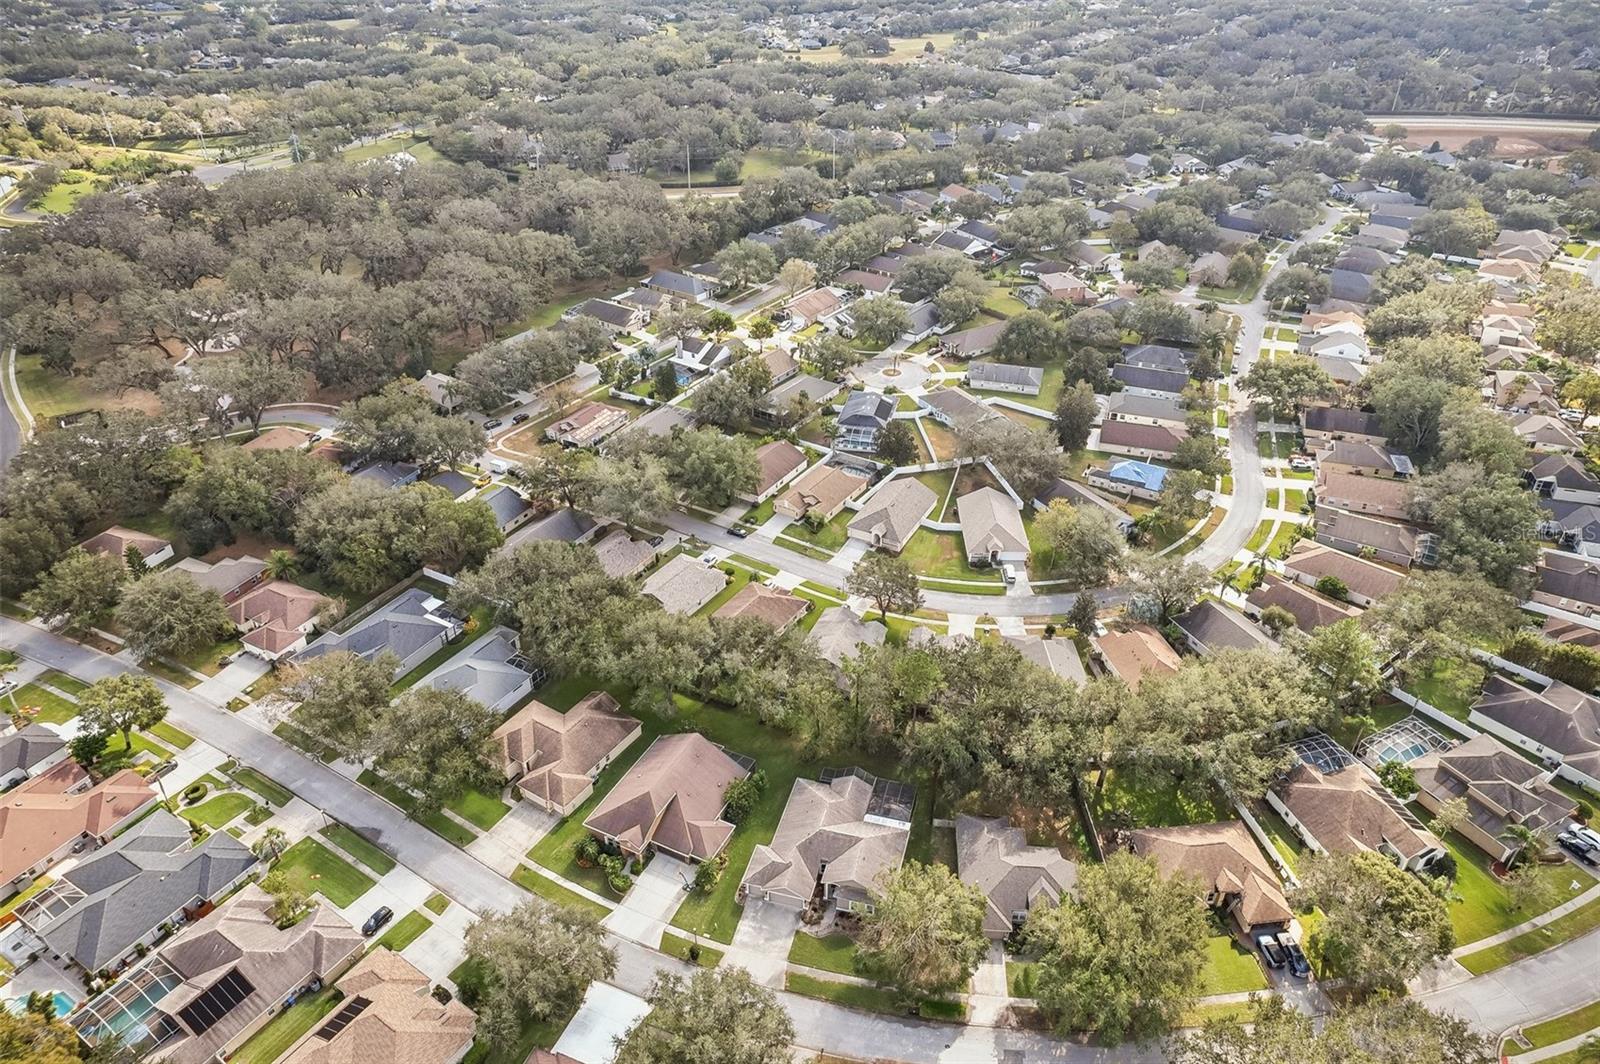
1284, 871
1428, 709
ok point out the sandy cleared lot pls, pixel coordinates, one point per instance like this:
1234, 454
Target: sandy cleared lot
1520, 138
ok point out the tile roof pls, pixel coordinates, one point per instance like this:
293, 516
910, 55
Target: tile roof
671, 796
773, 607
41, 815
553, 755
400, 1023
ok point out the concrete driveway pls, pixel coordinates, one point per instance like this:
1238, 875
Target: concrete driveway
650, 905
761, 941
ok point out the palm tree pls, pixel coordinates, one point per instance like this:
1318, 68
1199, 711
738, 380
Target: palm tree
282, 564
1526, 842
270, 846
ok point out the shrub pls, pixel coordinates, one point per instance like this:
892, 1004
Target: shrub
1333, 587
742, 796
194, 792
709, 872
587, 851
619, 882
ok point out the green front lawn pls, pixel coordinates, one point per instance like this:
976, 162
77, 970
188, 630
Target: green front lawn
942, 554
830, 537
118, 756
314, 868
1021, 978
1481, 905
407, 930
271, 792
481, 810
436, 821
1230, 968
1578, 922
216, 812
62, 682
171, 736
51, 708
833, 953
286, 1028
678, 946
550, 890
352, 843
871, 998
436, 904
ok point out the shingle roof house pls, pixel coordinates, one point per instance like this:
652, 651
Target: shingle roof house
42, 819
397, 1021
235, 966
1567, 582
1142, 441
1346, 812
1136, 654
1211, 627
991, 527
1059, 656
1310, 609
840, 632
29, 750
1228, 864
116, 540
892, 514
621, 555
1390, 541
1004, 377
510, 508
863, 416
119, 896
1322, 423
227, 576
1382, 496
1560, 724
773, 607
672, 798
554, 757
780, 462
1500, 786
1015, 878
955, 408
1367, 581
684, 583
411, 626
492, 672
823, 490
276, 617
826, 839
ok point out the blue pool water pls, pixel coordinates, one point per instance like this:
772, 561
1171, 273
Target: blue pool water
64, 1003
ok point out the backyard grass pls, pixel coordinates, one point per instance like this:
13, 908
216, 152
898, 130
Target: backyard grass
737, 579
1578, 922
437, 822
216, 812
314, 868
405, 931
50, 394
1230, 968
550, 890
1481, 906
871, 998
1289, 845
23, 895
1436, 690
273, 793
286, 1028
942, 440
352, 843
678, 946
1155, 804
1559, 1029
832, 953
436, 904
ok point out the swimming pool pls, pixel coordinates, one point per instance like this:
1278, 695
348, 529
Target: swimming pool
63, 1003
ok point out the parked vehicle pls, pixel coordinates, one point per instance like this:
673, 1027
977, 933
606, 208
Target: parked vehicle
1009, 571
1299, 967
1578, 848
739, 530
492, 423
1301, 463
1274, 956
376, 921
517, 419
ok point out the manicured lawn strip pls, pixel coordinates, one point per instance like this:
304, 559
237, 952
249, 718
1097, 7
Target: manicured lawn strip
550, 890
407, 930
436, 904
933, 553
219, 811
270, 1043
1230, 968
1284, 840
273, 793
352, 843
1021, 977
832, 953
62, 682
677, 946
1200, 1015
1258, 538
475, 807
829, 537
118, 756
171, 736
437, 822
1568, 1025
52, 708
737, 579
1287, 533
1579, 922
314, 868
870, 998
169, 672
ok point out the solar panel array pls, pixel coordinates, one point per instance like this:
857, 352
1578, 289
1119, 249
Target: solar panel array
207, 1010
341, 1019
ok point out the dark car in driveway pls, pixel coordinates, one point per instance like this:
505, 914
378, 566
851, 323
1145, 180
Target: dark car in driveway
1271, 952
1577, 847
517, 419
376, 921
1299, 967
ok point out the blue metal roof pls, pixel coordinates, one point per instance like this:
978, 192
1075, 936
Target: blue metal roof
1142, 473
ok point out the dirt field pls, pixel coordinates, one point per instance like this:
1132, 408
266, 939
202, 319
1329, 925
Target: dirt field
1520, 138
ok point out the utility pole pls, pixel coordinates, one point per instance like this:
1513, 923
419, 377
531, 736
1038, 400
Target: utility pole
112, 137
688, 168
1396, 102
